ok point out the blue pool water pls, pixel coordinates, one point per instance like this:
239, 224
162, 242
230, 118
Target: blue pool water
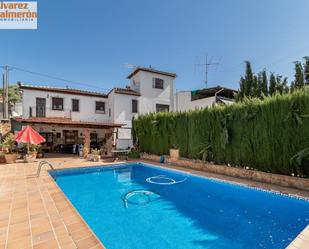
195, 212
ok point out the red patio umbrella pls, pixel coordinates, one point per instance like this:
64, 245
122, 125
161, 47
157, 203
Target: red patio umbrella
29, 135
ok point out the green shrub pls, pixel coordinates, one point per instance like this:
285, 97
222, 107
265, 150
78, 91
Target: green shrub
96, 152
9, 143
134, 154
263, 135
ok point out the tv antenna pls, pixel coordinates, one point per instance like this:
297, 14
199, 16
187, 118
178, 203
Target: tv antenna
206, 66
128, 65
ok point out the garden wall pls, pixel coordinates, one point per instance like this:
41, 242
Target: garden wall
280, 180
262, 135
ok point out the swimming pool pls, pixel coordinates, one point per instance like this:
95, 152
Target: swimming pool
139, 206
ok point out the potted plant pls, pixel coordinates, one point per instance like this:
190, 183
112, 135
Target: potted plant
31, 153
95, 155
40, 153
85, 151
2, 157
174, 153
9, 145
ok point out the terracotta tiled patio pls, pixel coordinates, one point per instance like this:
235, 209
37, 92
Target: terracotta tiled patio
34, 213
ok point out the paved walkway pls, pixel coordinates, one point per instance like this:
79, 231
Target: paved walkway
34, 213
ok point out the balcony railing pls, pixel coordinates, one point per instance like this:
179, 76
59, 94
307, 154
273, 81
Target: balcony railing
35, 111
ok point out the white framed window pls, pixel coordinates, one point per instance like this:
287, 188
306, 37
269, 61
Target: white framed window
75, 105
162, 108
134, 106
100, 106
157, 83
57, 104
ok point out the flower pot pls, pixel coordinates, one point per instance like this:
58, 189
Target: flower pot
85, 155
10, 158
2, 159
96, 158
93, 158
174, 154
40, 155
30, 158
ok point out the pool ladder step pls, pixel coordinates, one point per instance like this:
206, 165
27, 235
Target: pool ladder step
40, 167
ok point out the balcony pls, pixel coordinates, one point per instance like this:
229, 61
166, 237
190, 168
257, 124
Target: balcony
35, 111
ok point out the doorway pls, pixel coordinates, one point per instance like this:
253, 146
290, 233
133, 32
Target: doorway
40, 107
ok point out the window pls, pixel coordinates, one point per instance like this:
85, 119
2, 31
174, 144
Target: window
100, 106
162, 108
40, 107
109, 112
30, 111
57, 104
75, 105
157, 83
134, 106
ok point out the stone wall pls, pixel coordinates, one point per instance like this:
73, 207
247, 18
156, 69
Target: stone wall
5, 127
281, 180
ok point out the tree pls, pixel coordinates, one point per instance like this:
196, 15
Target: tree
264, 86
249, 80
14, 94
240, 95
286, 88
292, 87
260, 84
281, 85
247, 84
255, 87
306, 69
299, 81
272, 84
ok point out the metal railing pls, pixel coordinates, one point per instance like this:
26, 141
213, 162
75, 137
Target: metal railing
40, 167
49, 112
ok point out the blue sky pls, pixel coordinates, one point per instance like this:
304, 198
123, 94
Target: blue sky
91, 41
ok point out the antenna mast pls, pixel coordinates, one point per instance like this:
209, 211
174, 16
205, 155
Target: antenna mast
206, 65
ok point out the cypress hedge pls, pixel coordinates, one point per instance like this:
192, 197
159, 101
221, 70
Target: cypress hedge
260, 134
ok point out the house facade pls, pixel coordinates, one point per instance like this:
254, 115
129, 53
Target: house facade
149, 91
203, 98
67, 117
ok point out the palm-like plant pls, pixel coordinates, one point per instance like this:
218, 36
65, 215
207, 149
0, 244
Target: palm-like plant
301, 159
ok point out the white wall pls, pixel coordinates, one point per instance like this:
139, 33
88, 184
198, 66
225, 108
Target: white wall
151, 96
122, 114
86, 106
183, 102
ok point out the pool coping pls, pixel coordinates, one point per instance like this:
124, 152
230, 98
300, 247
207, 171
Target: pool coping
100, 243
300, 242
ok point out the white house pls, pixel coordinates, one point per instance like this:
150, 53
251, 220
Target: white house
150, 90
66, 116
198, 99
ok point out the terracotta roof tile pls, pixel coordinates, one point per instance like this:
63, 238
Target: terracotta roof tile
150, 70
65, 121
62, 90
127, 91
